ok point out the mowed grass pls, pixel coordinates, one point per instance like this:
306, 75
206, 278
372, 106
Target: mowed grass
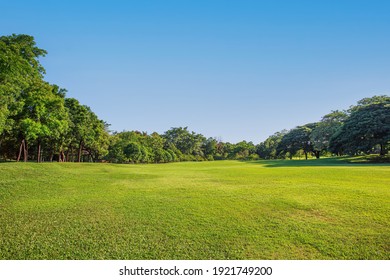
316, 209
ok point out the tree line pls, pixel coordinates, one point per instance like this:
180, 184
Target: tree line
362, 129
38, 122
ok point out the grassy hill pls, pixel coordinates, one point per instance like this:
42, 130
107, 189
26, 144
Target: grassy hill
316, 209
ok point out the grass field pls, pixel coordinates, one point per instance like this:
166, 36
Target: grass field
324, 209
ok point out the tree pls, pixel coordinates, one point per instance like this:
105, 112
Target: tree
35, 115
188, 143
81, 125
295, 140
19, 67
58, 123
268, 148
115, 149
368, 126
243, 149
321, 134
97, 144
43, 117
210, 148
133, 152
376, 99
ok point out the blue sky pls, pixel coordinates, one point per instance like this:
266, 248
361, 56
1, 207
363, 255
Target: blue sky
236, 70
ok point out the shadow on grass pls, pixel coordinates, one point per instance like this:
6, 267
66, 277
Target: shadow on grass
340, 161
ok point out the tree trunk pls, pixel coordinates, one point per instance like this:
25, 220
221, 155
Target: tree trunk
20, 151
80, 148
317, 154
63, 156
39, 152
25, 150
306, 155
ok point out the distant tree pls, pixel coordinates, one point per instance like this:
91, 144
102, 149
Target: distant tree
295, 140
116, 149
188, 143
87, 133
220, 152
228, 150
98, 144
268, 148
243, 149
321, 134
155, 141
368, 126
210, 148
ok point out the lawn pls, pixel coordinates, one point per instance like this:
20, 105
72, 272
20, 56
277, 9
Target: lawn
316, 209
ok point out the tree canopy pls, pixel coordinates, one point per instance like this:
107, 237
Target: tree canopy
367, 128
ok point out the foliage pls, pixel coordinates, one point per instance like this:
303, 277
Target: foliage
321, 134
19, 66
367, 127
268, 148
188, 143
37, 115
295, 140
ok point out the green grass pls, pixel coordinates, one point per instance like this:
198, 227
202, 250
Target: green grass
316, 209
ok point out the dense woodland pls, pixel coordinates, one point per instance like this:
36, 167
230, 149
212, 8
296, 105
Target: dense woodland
39, 123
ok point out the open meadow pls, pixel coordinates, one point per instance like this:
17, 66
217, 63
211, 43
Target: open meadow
315, 209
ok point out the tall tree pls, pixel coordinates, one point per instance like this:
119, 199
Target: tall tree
368, 126
19, 67
295, 140
28, 125
80, 128
58, 122
321, 134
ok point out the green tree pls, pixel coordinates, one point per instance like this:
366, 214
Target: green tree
98, 142
58, 124
376, 99
295, 140
367, 127
188, 143
242, 150
19, 68
43, 117
209, 148
116, 149
320, 135
133, 152
80, 127
268, 148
